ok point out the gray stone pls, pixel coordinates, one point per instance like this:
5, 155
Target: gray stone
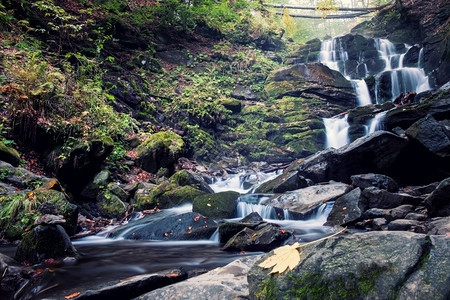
439, 226
402, 224
370, 265
416, 216
373, 197
304, 200
135, 286
379, 224
400, 212
438, 203
431, 135
431, 279
263, 237
99, 182
373, 213
377, 180
345, 209
228, 282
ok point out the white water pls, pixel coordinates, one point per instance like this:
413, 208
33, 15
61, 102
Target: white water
236, 182
376, 123
403, 79
336, 130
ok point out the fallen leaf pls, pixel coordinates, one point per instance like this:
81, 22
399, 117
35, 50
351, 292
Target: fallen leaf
196, 218
284, 257
207, 204
172, 275
72, 295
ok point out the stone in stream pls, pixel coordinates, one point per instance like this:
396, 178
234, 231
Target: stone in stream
135, 286
43, 242
218, 206
229, 229
228, 282
187, 177
345, 209
372, 265
187, 226
305, 201
288, 181
264, 237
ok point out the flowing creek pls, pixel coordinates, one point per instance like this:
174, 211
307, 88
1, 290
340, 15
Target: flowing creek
401, 80
106, 259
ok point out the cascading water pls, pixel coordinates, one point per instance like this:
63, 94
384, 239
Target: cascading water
336, 130
402, 79
376, 123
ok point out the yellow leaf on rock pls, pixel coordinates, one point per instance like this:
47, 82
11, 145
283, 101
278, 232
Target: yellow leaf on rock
284, 257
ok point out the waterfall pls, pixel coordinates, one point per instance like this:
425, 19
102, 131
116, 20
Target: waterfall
402, 79
376, 123
362, 92
243, 182
420, 60
336, 130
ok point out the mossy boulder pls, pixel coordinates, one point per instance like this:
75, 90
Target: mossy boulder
160, 150
234, 105
82, 163
165, 195
218, 206
99, 182
356, 266
20, 211
110, 206
20, 177
45, 242
313, 79
9, 155
186, 177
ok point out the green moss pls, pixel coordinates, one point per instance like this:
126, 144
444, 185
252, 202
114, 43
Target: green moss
348, 286
9, 154
163, 140
220, 205
110, 206
267, 290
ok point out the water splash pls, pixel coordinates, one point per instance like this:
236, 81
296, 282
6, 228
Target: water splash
376, 123
336, 130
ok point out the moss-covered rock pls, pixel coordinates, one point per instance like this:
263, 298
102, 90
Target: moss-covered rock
20, 211
9, 154
218, 206
234, 105
186, 177
330, 269
160, 150
44, 242
110, 206
99, 182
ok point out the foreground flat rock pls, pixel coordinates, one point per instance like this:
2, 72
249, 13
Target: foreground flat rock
374, 265
229, 282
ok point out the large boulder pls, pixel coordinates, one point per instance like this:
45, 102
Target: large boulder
287, 181
264, 237
304, 201
438, 203
375, 265
228, 282
43, 242
374, 153
187, 226
430, 134
187, 177
218, 206
9, 155
312, 79
20, 211
373, 197
229, 229
99, 182
160, 150
345, 209
377, 180
81, 164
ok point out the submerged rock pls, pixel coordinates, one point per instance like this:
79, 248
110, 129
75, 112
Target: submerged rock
187, 226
